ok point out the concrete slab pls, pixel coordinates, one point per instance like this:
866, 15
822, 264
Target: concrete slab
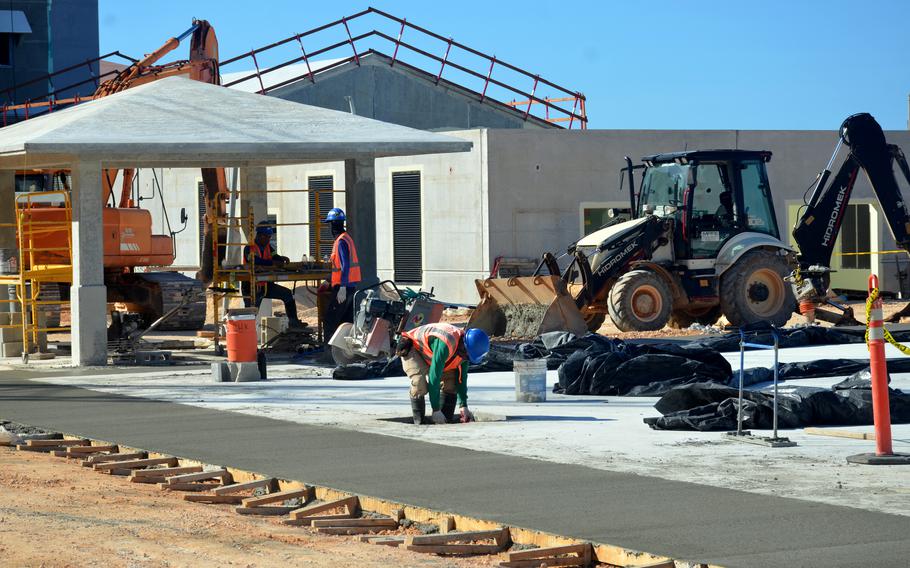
683, 520
176, 122
601, 432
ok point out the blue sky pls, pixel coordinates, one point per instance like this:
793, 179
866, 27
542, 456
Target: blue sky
658, 64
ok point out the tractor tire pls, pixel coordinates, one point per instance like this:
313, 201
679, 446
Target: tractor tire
753, 290
594, 321
681, 319
640, 301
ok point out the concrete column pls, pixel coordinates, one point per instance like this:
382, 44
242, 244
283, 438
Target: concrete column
360, 208
254, 179
8, 246
89, 295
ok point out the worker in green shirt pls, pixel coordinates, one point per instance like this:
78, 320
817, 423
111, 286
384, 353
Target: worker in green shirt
436, 358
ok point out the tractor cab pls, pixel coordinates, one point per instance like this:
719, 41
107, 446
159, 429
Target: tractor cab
711, 196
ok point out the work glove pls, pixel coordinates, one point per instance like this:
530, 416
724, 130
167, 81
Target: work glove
342, 294
466, 415
438, 417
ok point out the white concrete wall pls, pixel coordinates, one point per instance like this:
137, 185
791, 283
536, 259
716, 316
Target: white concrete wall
454, 205
294, 241
180, 190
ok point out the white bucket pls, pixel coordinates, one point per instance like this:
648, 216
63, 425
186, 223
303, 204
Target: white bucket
530, 380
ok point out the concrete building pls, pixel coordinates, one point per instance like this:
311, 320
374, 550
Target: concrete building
40, 37
519, 193
136, 129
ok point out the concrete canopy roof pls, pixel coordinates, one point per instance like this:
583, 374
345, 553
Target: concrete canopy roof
177, 122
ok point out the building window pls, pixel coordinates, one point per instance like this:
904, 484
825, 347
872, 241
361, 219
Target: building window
593, 218
407, 249
321, 186
856, 236
6, 50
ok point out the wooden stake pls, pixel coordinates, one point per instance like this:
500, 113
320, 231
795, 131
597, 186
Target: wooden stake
166, 471
342, 523
201, 476
266, 510
134, 464
214, 499
63, 443
91, 449
92, 460
185, 486
352, 504
307, 493
237, 487
454, 548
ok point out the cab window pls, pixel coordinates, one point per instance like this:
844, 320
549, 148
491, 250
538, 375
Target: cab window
759, 215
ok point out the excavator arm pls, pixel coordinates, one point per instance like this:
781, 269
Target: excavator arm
817, 229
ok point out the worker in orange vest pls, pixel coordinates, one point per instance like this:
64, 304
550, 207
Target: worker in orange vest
260, 254
435, 356
345, 274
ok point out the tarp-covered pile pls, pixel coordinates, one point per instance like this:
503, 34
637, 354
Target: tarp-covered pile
710, 406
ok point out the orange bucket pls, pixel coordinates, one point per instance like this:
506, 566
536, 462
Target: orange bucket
241, 338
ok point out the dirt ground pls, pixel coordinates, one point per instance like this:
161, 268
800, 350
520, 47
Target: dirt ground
53, 512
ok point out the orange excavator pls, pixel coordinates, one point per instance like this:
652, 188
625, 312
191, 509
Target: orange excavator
129, 242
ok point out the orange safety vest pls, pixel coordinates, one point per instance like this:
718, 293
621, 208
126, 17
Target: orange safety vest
448, 333
265, 253
354, 270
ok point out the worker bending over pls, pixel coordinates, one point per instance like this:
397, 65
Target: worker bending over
345, 274
260, 254
437, 355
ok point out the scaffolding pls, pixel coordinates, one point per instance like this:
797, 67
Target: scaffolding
231, 271
45, 243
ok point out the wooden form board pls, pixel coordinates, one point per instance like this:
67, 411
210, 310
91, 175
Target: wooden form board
308, 521
841, 433
349, 523
167, 486
454, 548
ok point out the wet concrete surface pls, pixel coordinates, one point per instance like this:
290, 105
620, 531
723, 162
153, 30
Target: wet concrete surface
677, 519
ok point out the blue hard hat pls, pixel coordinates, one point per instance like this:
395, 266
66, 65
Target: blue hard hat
476, 343
335, 214
264, 230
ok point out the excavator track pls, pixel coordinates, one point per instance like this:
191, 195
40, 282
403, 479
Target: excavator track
167, 290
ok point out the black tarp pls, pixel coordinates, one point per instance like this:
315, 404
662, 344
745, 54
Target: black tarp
714, 407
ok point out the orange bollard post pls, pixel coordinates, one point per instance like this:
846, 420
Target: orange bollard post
881, 411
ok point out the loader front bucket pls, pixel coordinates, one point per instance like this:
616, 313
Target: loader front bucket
526, 306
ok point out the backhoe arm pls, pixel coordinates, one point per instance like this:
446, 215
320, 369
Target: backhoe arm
817, 229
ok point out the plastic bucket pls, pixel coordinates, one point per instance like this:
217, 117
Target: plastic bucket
530, 380
241, 338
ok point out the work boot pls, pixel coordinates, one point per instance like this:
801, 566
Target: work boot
418, 409
448, 406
